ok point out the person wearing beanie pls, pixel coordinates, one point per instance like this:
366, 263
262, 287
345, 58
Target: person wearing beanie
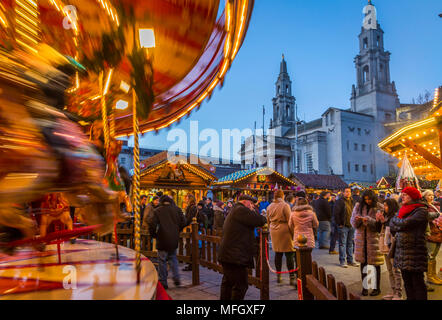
409, 248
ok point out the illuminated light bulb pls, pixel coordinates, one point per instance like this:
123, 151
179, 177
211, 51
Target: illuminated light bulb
121, 104
124, 86
147, 38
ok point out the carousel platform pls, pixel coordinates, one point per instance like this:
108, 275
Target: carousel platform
88, 271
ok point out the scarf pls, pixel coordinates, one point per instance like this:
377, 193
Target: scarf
407, 208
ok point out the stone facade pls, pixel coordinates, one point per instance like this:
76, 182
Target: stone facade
343, 141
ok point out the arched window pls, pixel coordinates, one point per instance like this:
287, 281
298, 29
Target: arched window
286, 89
365, 74
279, 89
287, 111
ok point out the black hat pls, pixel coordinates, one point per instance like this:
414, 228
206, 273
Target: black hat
245, 197
201, 203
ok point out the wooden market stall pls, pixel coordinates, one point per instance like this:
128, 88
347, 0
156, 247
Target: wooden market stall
175, 178
421, 142
385, 185
258, 182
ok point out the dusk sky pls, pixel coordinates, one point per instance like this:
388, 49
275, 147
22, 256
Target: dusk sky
319, 39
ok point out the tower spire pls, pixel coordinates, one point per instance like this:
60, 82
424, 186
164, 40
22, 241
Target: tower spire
283, 68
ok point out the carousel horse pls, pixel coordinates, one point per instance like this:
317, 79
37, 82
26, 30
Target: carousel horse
55, 208
41, 150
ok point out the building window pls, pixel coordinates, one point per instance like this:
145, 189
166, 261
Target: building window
363, 147
348, 145
332, 117
287, 111
309, 162
279, 89
348, 167
378, 41
364, 168
359, 131
287, 89
365, 43
356, 167
326, 120
356, 147
365, 74
370, 148
371, 168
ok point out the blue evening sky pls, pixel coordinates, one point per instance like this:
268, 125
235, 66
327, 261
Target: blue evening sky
319, 41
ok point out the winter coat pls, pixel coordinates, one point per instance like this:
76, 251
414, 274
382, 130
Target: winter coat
218, 218
238, 244
166, 224
208, 211
385, 236
434, 229
410, 250
278, 216
339, 212
323, 209
148, 212
367, 237
303, 220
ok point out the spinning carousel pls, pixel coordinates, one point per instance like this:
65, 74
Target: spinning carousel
74, 76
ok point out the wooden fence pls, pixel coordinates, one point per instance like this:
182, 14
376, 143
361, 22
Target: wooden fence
316, 284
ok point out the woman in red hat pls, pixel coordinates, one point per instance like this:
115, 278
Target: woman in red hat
410, 250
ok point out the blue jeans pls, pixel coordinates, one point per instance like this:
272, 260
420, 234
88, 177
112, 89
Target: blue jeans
163, 256
323, 233
346, 236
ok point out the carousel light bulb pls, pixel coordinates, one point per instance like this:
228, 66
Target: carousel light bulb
124, 86
147, 38
121, 104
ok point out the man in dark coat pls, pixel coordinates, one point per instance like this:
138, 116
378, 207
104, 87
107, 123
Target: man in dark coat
334, 227
165, 225
238, 248
208, 211
343, 209
323, 212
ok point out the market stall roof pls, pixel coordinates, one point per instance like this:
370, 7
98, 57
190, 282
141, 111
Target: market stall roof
421, 142
320, 181
242, 175
205, 171
385, 182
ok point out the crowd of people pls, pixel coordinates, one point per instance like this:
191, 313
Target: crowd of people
404, 231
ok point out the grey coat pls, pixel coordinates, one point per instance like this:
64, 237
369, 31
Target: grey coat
367, 237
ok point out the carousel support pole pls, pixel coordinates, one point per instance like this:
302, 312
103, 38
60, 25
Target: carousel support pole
107, 136
136, 185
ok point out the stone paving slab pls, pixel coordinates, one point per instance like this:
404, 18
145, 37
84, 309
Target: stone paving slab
209, 289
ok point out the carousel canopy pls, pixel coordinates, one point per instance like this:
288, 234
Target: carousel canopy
193, 43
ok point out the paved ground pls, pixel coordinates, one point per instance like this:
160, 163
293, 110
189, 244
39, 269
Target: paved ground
351, 277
